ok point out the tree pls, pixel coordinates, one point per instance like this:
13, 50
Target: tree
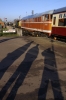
0, 19
16, 21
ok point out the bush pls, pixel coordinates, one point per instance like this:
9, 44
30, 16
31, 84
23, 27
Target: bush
9, 34
1, 34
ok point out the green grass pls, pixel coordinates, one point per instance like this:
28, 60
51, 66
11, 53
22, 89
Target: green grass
5, 29
1, 34
8, 34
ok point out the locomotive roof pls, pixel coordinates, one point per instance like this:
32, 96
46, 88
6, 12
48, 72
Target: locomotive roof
60, 10
38, 15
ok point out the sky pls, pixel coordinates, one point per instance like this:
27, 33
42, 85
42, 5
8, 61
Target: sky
12, 9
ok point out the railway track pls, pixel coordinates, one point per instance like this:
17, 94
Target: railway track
63, 41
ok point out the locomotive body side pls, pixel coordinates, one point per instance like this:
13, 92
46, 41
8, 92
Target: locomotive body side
39, 24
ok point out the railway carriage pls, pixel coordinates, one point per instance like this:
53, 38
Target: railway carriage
38, 24
59, 23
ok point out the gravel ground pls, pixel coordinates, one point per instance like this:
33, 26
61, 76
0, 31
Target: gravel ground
32, 68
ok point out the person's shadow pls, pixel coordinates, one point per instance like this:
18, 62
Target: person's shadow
20, 74
11, 57
50, 73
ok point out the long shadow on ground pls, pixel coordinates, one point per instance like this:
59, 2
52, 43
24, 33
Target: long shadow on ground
20, 74
11, 57
50, 74
3, 40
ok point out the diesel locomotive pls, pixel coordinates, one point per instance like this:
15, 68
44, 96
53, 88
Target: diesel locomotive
49, 23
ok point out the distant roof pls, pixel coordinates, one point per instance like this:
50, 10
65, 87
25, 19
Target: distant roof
38, 15
60, 10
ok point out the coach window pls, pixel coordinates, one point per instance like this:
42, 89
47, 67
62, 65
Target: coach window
65, 15
62, 20
60, 16
54, 20
65, 22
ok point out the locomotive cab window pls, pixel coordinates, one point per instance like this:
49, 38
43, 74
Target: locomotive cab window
51, 17
60, 16
39, 19
42, 18
33, 20
46, 17
54, 20
24, 20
